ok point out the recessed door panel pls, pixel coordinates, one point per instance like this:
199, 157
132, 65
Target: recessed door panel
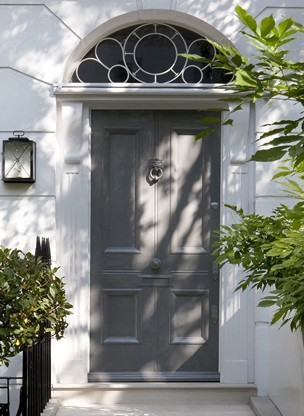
189, 313
119, 184
154, 300
122, 309
186, 191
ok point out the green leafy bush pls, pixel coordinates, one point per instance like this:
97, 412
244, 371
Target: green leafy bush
32, 302
271, 251
270, 248
268, 73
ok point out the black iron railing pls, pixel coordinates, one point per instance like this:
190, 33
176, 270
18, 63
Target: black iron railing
37, 359
36, 385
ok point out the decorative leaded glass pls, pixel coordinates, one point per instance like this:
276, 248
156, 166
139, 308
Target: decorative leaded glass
149, 53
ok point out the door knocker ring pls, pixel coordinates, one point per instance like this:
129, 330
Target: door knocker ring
156, 171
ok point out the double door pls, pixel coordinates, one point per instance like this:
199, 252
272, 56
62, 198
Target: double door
154, 209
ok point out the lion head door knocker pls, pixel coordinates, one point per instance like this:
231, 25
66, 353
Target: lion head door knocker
155, 171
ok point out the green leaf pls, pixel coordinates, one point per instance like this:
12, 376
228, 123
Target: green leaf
272, 132
269, 155
245, 79
246, 18
280, 175
205, 133
284, 25
210, 120
294, 185
298, 159
237, 60
279, 122
284, 140
298, 26
192, 56
237, 108
277, 316
266, 303
266, 25
228, 122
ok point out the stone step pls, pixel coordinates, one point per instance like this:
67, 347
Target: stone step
263, 406
155, 393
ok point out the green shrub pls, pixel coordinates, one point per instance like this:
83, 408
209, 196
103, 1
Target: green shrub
32, 302
270, 248
271, 251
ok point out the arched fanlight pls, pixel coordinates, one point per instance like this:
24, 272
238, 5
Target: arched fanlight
150, 54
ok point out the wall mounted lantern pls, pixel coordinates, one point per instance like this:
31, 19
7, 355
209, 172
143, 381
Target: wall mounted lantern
19, 159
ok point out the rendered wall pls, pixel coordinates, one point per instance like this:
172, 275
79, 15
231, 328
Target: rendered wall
286, 382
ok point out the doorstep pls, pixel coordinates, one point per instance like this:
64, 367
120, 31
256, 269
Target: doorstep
155, 392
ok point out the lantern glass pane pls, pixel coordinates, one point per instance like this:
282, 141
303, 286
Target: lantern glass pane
18, 160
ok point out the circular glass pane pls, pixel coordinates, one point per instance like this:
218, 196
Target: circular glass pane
192, 75
91, 70
155, 54
118, 73
109, 52
203, 48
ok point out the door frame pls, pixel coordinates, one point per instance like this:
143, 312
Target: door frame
74, 105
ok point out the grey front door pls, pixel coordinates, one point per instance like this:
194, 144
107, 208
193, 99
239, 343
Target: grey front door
154, 289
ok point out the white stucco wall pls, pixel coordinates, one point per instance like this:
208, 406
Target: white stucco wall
284, 350
286, 382
37, 40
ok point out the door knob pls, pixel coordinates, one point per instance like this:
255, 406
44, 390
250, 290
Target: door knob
155, 263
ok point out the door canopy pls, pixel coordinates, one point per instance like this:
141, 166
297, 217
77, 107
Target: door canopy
149, 53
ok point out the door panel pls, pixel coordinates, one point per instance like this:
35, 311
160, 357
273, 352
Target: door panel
120, 172
153, 319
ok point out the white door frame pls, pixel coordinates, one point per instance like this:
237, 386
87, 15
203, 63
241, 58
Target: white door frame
74, 104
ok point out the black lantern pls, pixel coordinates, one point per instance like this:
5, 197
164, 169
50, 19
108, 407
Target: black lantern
19, 159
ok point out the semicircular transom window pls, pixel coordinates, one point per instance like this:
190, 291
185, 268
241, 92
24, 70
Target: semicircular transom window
150, 53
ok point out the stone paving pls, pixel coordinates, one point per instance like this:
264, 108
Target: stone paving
156, 410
